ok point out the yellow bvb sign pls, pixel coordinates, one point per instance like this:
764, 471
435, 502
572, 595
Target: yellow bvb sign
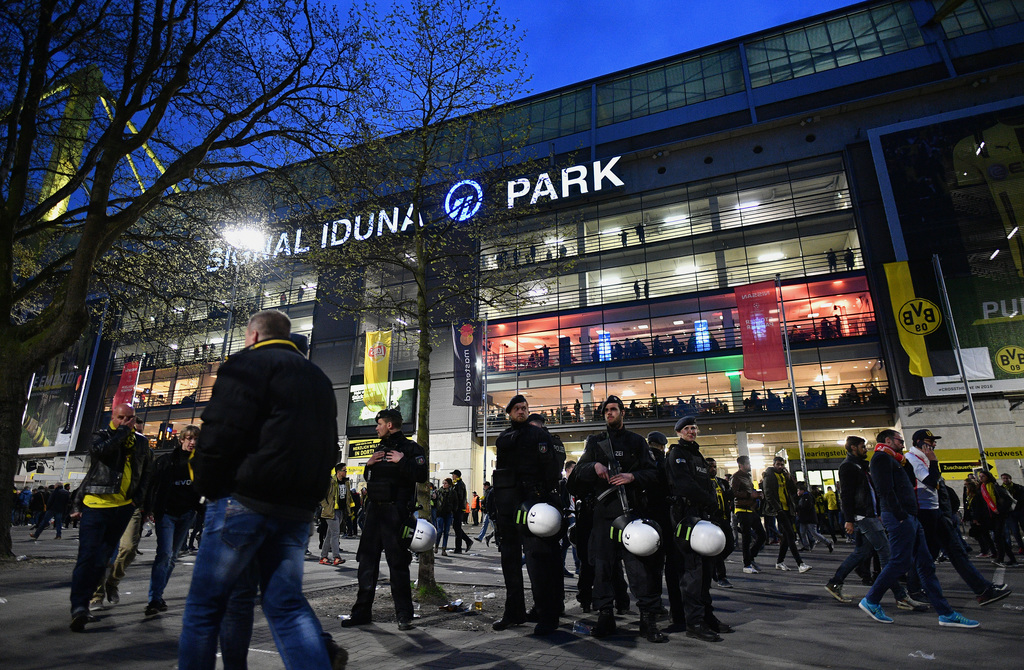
1011, 359
920, 316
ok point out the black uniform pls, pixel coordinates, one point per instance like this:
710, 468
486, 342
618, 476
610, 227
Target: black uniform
689, 485
660, 513
391, 490
529, 467
633, 456
722, 517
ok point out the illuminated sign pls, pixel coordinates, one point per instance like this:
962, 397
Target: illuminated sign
604, 346
570, 178
463, 200
702, 336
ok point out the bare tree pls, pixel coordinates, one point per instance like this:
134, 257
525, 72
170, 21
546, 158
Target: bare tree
109, 107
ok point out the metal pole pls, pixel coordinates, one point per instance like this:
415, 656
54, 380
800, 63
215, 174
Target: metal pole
391, 366
951, 327
792, 380
78, 419
28, 397
231, 309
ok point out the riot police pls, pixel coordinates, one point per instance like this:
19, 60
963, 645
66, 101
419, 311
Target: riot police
617, 468
529, 467
391, 473
692, 497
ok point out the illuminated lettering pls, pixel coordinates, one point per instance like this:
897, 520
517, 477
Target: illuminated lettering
359, 234
384, 220
517, 189
334, 232
283, 246
544, 188
574, 176
602, 173
299, 249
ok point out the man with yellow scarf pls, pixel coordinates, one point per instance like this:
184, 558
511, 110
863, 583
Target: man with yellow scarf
112, 489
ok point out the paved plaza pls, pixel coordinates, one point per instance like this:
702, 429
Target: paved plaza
781, 619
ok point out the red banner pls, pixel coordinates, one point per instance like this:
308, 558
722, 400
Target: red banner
126, 387
764, 358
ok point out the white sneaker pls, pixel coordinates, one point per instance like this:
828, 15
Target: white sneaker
804, 567
782, 566
750, 570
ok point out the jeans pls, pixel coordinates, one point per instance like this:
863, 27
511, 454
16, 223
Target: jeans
444, 525
98, 535
58, 519
234, 537
483, 532
787, 538
809, 534
171, 532
945, 534
909, 549
869, 535
750, 524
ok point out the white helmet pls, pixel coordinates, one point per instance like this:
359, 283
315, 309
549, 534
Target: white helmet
544, 520
423, 537
707, 539
641, 537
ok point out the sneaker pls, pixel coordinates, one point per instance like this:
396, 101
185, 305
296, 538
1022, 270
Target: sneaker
874, 611
831, 548
804, 567
325, 561
1000, 564
724, 583
95, 604
112, 594
957, 620
782, 566
155, 607
79, 619
339, 561
994, 593
911, 605
837, 592
750, 570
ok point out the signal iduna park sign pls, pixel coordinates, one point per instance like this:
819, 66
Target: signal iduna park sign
462, 201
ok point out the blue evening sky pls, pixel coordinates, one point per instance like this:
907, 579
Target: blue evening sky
569, 41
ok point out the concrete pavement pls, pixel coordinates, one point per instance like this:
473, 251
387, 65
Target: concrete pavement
781, 620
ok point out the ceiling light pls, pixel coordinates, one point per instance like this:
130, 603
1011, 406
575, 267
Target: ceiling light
678, 323
612, 231
994, 254
1012, 233
608, 281
643, 326
675, 220
774, 256
748, 205
685, 269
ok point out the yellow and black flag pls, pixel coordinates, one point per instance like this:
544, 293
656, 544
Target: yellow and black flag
920, 321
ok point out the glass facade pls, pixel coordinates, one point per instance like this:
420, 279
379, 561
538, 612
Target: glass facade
683, 82
976, 15
835, 42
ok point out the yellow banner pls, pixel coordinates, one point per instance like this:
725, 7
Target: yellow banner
901, 293
375, 369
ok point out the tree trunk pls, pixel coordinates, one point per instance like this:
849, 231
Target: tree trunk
425, 574
12, 405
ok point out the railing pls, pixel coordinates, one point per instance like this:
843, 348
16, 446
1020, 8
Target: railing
639, 347
768, 400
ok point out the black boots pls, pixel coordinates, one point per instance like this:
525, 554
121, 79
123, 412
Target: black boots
605, 624
649, 627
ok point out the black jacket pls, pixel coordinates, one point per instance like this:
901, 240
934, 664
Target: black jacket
528, 467
743, 490
770, 488
689, 480
109, 452
633, 455
396, 482
805, 512
855, 494
895, 491
270, 433
459, 497
58, 502
172, 491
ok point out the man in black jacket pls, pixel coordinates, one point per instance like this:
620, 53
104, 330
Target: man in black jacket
907, 544
611, 459
779, 490
459, 511
56, 507
692, 495
528, 468
860, 509
392, 472
114, 486
269, 440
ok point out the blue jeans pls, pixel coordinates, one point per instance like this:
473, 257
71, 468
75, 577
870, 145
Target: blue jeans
870, 535
444, 526
57, 517
99, 535
483, 531
946, 536
171, 531
234, 537
909, 551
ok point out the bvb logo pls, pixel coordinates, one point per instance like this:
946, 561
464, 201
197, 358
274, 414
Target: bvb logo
920, 316
1011, 359
463, 200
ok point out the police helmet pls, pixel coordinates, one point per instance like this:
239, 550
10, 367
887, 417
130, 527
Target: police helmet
641, 537
544, 520
423, 536
707, 539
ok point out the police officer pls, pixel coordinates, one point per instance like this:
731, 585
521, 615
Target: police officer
660, 513
529, 467
613, 458
692, 495
391, 474
722, 516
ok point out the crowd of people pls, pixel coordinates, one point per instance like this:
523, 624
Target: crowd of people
264, 462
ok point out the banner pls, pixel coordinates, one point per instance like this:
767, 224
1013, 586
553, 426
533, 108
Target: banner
375, 369
919, 319
466, 339
764, 358
126, 387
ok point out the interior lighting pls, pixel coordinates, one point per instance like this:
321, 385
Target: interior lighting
732, 374
994, 254
245, 238
685, 269
748, 206
774, 256
678, 323
612, 231
609, 281
643, 326
1012, 233
675, 220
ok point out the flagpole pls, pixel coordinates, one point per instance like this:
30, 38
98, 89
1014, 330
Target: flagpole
951, 327
483, 402
792, 380
391, 366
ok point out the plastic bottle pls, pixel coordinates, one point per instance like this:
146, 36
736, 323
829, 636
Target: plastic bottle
580, 628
